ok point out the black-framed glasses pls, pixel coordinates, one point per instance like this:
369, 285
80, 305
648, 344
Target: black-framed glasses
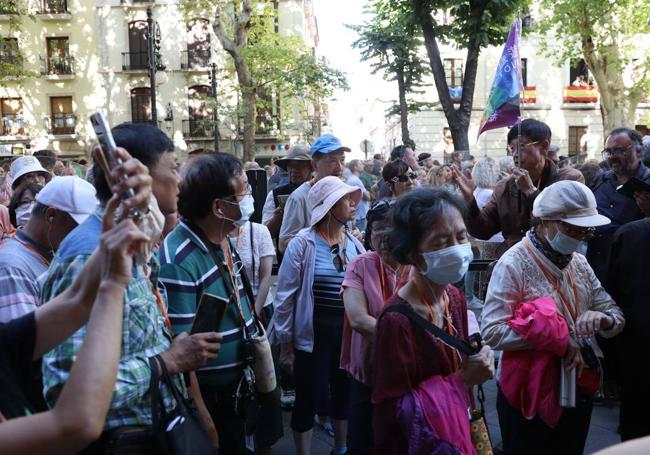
620, 151
521, 146
339, 259
405, 178
248, 192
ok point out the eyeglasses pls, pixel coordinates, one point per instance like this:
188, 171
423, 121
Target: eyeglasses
404, 178
249, 192
608, 153
339, 260
578, 232
520, 146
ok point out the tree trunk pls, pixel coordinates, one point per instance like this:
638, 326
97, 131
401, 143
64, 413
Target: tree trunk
403, 108
458, 119
249, 107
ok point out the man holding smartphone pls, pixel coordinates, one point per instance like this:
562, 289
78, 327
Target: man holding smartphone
510, 209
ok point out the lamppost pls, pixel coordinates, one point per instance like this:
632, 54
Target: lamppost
215, 116
155, 63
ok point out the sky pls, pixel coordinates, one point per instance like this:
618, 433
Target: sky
353, 113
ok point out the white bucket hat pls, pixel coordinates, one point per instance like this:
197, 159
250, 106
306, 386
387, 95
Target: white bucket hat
326, 193
24, 165
571, 202
69, 194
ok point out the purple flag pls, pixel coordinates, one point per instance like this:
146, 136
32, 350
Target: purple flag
503, 104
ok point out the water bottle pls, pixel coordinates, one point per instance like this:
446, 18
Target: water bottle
567, 387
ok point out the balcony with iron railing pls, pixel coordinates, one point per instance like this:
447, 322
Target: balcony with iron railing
195, 59
12, 126
201, 127
57, 65
12, 59
135, 61
54, 7
268, 125
64, 123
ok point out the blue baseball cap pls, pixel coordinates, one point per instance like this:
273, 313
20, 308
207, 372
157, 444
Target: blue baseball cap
328, 143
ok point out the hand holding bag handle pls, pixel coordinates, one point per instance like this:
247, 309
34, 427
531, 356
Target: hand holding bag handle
180, 431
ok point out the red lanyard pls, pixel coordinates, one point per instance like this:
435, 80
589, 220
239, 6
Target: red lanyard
572, 309
382, 279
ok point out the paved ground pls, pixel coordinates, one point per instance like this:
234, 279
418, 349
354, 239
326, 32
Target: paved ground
602, 432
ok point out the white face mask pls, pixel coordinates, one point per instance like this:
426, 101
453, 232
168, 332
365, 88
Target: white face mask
23, 214
448, 265
565, 244
246, 209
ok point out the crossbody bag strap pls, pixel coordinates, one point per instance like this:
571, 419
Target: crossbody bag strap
434, 330
252, 252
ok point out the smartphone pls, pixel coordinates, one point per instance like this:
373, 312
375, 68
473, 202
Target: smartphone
209, 313
109, 159
634, 185
282, 199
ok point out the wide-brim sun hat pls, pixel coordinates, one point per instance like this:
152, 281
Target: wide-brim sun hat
24, 165
326, 193
571, 202
298, 152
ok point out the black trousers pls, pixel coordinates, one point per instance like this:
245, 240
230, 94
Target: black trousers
360, 437
316, 371
534, 437
221, 406
635, 396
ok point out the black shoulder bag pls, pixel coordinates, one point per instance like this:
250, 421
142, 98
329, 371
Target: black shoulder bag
180, 431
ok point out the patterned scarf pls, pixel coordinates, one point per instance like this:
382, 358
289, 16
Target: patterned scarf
559, 259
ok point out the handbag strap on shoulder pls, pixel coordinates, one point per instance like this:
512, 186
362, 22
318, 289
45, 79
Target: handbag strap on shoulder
434, 330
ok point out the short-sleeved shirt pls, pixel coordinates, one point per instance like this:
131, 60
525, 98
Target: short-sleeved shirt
328, 304
367, 274
297, 212
187, 270
17, 342
251, 252
22, 261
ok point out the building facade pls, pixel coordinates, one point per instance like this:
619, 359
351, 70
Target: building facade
551, 95
85, 55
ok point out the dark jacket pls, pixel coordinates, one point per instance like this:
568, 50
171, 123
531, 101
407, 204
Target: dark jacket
509, 211
617, 207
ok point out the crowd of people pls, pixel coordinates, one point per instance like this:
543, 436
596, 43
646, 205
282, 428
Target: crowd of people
379, 326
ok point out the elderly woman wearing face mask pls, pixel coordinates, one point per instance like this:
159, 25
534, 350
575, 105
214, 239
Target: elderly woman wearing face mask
418, 377
309, 312
543, 308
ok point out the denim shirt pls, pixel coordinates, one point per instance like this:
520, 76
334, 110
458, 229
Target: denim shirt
293, 317
617, 207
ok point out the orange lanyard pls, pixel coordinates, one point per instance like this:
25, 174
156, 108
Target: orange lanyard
572, 309
382, 279
159, 300
33, 250
451, 352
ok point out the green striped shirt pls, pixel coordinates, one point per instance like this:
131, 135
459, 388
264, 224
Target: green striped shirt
187, 270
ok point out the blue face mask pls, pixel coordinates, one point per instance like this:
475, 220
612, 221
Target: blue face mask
246, 209
448, 265
564, 244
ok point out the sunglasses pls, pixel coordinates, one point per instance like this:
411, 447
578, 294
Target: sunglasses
339, 260
405, 178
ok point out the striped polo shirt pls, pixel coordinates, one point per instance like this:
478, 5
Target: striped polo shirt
187, 270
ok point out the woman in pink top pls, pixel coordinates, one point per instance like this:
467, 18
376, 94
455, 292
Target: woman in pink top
370, 280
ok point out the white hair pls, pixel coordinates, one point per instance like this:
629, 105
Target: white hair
486, 173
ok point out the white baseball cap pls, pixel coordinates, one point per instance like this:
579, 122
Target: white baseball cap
571, 202
24, 165
69, 194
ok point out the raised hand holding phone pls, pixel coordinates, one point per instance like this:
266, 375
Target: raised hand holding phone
124, 175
